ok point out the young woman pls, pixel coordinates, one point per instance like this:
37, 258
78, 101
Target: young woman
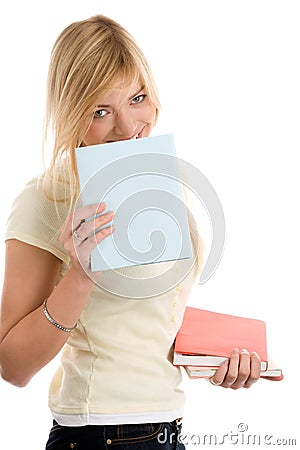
116, 386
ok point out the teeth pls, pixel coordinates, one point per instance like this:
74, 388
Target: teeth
134, 137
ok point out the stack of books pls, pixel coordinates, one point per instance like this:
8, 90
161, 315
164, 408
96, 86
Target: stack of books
207, 338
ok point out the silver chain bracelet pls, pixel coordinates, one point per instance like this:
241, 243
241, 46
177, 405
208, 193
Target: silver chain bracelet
56, 324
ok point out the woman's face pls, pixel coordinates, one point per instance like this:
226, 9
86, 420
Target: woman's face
122, 114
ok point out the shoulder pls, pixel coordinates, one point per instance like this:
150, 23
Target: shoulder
36, 219
33, 200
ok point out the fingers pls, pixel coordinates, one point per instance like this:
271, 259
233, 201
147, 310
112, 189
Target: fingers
79, 216
241, 370
97, 237
88, 228
83, 249
82, 231
255, 370
220, 374
86, 215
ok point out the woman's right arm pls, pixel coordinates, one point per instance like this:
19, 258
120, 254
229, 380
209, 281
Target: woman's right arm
28, 341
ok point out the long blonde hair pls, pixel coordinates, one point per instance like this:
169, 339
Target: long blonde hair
87, 60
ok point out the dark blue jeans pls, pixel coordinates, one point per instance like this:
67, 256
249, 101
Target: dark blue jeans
145, 436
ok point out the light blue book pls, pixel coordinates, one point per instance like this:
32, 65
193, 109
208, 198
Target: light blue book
139, 180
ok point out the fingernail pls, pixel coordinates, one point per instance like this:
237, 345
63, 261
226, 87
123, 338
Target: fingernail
236, 351
244, 350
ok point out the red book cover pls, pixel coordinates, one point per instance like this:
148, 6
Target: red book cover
215, 334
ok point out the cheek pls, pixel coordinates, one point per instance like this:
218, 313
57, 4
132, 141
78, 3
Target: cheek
96, 133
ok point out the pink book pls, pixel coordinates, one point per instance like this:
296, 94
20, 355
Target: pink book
208, 338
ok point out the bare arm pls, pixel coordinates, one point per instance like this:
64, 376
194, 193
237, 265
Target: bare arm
28, 341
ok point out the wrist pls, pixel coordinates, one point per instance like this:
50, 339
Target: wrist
67, 300
82, 282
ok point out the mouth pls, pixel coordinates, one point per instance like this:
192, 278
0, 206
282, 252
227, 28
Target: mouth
138, 135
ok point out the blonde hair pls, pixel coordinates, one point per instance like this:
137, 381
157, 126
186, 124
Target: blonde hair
87, 60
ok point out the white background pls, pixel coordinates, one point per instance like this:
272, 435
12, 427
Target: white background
228, 73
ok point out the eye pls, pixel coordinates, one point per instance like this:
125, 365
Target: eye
138, 98
100, 113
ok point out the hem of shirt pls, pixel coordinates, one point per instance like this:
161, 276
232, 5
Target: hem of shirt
79, 420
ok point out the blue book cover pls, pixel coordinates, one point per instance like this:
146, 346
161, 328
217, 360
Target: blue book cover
139, 180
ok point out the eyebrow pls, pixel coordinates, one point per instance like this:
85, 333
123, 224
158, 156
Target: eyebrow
132, 96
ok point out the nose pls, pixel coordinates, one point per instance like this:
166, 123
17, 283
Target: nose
125, 124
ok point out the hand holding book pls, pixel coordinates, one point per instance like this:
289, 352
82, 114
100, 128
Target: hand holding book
242, 369
230, 350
